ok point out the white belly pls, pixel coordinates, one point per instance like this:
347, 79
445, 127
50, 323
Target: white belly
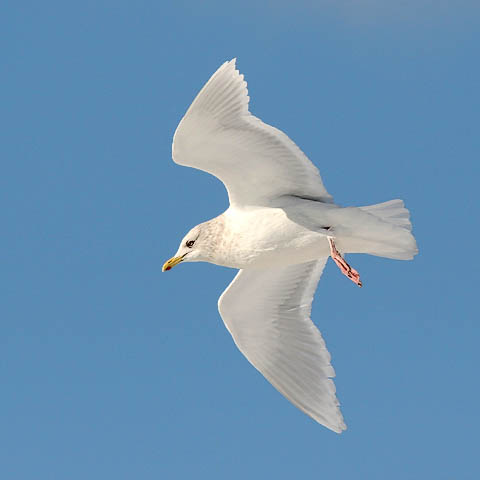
266, 237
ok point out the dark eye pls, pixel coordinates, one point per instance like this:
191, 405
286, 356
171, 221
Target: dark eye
190, 243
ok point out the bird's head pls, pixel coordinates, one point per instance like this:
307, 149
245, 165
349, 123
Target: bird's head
192, 249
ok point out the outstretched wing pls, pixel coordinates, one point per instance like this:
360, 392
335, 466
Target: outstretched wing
268, 314
256, 162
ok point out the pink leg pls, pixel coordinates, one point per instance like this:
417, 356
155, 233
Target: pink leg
344, 267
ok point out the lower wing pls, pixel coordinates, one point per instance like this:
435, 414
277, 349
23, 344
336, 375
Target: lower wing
268, 314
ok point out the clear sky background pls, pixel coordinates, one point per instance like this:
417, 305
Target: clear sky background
111, 369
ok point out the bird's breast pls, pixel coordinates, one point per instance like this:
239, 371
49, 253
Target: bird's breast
266, 237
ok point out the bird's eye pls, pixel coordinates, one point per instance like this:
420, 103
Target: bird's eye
190, 243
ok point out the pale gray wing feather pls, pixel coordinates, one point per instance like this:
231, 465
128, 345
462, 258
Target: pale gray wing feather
256, 162
268, 314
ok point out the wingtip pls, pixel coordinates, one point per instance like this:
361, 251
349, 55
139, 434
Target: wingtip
337, 428
232, 64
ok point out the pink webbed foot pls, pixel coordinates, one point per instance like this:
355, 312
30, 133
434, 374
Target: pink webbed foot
344, 267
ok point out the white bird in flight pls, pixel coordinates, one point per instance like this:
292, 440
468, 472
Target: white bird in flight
279, 230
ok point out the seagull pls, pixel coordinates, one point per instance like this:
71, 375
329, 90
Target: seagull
279, 230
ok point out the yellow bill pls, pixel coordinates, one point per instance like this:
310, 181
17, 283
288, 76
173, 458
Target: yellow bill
171, 263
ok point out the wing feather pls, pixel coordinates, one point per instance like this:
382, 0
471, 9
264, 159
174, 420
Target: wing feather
267, 313
219, 135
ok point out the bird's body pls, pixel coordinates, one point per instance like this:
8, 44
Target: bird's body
243, 243
279, 230
298, 231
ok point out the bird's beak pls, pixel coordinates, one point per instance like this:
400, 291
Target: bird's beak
171, 263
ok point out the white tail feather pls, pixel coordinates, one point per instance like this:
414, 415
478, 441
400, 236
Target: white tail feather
393, 212
385, 231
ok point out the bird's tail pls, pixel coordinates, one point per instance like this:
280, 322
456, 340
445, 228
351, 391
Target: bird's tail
393, 212
384, 232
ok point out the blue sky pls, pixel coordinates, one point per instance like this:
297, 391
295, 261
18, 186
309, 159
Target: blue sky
111, 369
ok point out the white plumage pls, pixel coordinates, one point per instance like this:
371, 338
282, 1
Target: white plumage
268, 314
280, 229
219, 135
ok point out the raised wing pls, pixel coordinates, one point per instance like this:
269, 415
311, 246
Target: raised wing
268, 314
256, 162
